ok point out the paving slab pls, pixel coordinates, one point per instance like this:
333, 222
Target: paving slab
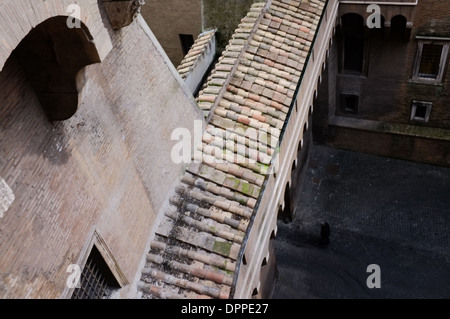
382, 211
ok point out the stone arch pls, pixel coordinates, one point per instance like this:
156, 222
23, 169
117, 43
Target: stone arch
30, 13
52, 47
352, 24
300, 145
51, 55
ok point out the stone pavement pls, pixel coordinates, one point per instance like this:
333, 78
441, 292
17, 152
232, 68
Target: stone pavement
383, 211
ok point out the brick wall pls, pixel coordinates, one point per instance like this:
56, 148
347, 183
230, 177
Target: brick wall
169, 18
106, 169
386, 89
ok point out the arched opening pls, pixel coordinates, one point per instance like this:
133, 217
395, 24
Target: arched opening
51, 55
272, 235
280, 212
398, 29
294, 164
300, 145
264, 262
287, 211
353, 43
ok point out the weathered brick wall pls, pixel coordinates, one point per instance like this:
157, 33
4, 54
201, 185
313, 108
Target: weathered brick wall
169, 18
386, 90
107, 168
429, 151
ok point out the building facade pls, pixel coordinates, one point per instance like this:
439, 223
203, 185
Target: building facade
385, 90
177, 23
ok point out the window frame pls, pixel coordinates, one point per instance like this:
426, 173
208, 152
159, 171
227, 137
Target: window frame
414, 105
445, 42
345, 38
108, 257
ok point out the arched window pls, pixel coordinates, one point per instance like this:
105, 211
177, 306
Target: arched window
398, 28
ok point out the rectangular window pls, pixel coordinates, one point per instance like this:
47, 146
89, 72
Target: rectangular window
353, 55
187, 40
349, 103
431, 60
420, 111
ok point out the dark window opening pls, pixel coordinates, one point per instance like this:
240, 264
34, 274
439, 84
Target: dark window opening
353, 55
398, 28
353, 46
349, 103
287, 212
420, 111
97, 280
187, 40
430, 61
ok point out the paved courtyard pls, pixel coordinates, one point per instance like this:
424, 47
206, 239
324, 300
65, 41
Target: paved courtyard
388, 212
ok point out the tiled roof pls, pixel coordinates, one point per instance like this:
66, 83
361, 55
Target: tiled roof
190, 59
196, 246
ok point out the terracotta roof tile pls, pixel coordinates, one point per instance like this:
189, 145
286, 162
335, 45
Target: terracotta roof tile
197, 242
196, 50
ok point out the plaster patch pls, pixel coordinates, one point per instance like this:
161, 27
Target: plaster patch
6, 197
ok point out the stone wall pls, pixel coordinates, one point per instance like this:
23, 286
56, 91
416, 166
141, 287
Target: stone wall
105, 172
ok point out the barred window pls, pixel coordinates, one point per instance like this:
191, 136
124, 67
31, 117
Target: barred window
97, 280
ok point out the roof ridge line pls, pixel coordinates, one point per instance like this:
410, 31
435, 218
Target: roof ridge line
222, 91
